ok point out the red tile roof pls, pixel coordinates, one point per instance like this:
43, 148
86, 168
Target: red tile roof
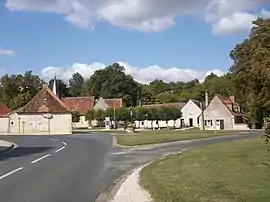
117, 103
4, 109
79, 104
228, 103
178, 105
44, 102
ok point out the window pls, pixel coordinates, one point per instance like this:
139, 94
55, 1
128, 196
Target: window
208, 122
12, 123
156, 122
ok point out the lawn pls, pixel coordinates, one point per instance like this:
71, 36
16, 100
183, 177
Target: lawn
228, 172
165, 135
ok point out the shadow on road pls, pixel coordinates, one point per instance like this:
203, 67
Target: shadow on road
23, 151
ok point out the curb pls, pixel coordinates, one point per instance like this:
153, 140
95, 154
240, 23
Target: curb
112, 190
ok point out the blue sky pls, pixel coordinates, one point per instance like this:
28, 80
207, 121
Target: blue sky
48, 41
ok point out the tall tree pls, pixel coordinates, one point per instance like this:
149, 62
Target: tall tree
251, 72
218, 85
17, 90
145, 95
61, 88
158, 86
112, 82
76, 83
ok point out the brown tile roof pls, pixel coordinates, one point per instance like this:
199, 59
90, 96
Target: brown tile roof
45, 101
4, 109
117, 103
79, 104
228, 102
178, 105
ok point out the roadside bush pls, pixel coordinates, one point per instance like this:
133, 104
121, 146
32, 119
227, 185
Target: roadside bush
266, 135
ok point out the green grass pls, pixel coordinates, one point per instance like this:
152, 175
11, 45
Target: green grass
228, 172
161, 136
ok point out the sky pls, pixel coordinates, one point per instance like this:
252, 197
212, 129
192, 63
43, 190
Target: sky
173, 40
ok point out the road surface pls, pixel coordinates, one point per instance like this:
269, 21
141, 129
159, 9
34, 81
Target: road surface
74, 168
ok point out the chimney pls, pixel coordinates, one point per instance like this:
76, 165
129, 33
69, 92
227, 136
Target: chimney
232, 98
206, 99
54, 85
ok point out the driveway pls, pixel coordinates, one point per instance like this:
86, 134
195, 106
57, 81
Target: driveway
77, 167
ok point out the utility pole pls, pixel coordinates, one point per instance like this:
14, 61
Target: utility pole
114, 125
202, 108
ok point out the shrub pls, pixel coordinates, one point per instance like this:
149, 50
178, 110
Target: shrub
266, 135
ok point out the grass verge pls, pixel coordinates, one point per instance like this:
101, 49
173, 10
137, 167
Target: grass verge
162, 136
227, 172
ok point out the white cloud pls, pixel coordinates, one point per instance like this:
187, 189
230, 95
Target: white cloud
147, 15
142, 75
6, 52
237, 22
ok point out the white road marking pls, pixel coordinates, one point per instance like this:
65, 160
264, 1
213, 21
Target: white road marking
119, 153
58, 150
10, 173
39, 159
64, 143
53, 139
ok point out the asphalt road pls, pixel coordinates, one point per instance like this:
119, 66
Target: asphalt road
75, 168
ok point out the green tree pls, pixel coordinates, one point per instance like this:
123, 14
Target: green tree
167, 97
123, 114
110, 112
62, 88
100, 116
112, 82
250, 71
76, 83
266, 134
17, 90
158, 86
90, 116
218, 85
75, 116
140, 113
145, 95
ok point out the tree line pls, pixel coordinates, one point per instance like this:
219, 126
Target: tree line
129, 115
112, 82
248, 79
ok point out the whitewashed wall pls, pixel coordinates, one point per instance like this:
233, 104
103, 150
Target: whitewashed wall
37, 124
4, 125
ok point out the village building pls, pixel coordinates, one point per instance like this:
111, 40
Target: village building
4, 122
190, 114
223, 114
155, 124
84, 104
45, 113
80, 105
4, 109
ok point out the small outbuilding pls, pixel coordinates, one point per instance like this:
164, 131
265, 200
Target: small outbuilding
190, 114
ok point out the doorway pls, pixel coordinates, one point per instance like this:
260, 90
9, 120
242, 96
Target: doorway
222, 127
190, 122
220, 124
182, 123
